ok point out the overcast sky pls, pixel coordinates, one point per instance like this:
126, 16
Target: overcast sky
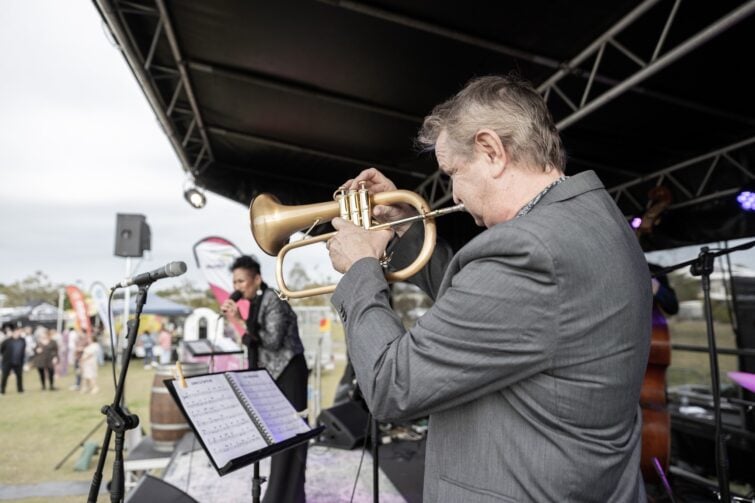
79, 143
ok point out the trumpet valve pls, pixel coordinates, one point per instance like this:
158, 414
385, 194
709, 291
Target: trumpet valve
354, 213
364, 206
343, 203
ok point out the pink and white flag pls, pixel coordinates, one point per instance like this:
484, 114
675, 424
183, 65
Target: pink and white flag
214, 257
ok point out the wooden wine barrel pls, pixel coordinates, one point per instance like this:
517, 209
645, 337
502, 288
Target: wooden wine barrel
167, 424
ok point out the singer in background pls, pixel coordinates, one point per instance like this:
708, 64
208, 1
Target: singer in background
272, 330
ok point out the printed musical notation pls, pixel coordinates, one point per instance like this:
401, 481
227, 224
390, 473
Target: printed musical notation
219, 418
263, 396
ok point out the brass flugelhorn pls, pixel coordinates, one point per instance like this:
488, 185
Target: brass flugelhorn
273, 223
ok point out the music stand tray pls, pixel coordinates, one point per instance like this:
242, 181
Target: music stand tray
203, 347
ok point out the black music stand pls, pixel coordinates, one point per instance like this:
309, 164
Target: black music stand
207, 436
257, 481
203, 347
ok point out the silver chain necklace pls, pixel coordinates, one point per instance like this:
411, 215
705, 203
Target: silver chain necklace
528, 207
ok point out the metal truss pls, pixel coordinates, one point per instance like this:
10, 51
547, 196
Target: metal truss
179, 115
581, 107
692, 191
524, 55
436, 189
182, 124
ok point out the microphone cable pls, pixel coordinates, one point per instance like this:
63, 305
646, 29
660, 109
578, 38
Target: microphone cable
364, 449
110, 327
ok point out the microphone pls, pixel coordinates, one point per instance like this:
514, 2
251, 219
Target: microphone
235, 296
167, 271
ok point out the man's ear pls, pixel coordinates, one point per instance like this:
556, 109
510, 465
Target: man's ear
488, 143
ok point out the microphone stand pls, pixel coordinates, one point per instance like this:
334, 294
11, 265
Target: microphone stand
374, 427
375, 462
703, 266
118, 420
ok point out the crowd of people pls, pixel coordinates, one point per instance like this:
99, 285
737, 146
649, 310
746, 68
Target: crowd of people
162, 340
53, 354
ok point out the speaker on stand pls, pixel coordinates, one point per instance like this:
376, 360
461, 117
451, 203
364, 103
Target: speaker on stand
132, 235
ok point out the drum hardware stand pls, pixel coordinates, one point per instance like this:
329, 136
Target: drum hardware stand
80, 444
119, 420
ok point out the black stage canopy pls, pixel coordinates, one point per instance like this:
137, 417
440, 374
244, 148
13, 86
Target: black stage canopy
296, 96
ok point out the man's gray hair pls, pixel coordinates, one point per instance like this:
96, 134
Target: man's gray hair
506, 104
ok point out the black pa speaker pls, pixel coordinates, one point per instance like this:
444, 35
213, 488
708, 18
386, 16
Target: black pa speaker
744, 307
345, 425
154, 490
132, 235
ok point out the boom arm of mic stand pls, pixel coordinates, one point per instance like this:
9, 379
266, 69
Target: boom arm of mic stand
119, 421
696, 260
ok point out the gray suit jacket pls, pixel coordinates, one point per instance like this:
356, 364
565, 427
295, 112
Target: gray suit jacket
529, 363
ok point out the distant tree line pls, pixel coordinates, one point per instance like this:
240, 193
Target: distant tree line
689, 288
34, 288
38, 287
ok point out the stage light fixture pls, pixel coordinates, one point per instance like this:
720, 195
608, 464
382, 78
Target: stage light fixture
635, 222
746, 198
195, 197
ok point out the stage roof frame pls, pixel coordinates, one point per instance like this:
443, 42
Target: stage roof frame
295, 97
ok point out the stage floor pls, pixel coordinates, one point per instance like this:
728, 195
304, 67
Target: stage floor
330, 477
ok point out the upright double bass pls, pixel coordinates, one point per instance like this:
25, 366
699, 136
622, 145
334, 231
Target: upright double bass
656, 421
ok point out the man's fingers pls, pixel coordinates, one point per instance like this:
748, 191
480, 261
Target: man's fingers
339, 223
368, 174
374, 180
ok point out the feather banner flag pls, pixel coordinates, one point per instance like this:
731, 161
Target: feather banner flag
100, 295
79, 306
214, 256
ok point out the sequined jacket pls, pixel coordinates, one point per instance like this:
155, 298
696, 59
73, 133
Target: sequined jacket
278, 332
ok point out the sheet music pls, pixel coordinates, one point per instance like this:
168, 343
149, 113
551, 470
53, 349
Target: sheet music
271, 406
219, 418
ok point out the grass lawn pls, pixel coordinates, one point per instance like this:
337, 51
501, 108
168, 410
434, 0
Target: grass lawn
692, 367
38, 428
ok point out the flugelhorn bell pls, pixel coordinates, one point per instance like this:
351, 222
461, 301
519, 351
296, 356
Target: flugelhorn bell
273, 223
